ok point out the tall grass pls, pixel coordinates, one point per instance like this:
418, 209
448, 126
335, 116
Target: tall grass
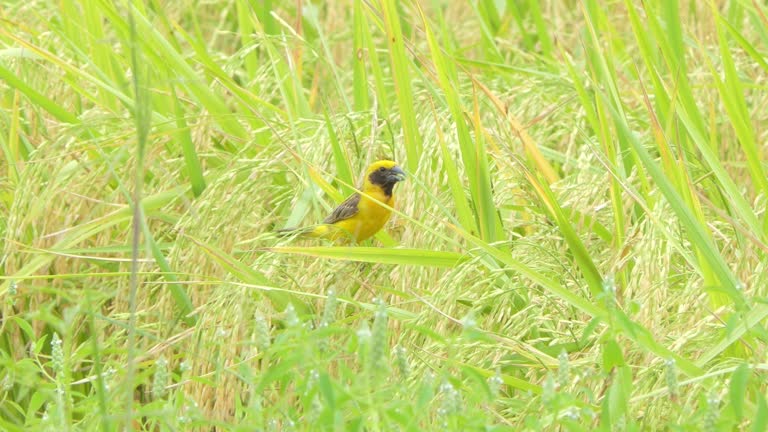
581, 242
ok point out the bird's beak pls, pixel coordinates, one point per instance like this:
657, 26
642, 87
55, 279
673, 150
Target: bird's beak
396, 174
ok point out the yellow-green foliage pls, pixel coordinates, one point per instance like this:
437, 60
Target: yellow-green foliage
580, 244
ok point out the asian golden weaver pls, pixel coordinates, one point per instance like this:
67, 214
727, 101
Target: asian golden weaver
361, 215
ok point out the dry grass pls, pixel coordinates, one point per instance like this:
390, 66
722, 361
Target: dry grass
407, 346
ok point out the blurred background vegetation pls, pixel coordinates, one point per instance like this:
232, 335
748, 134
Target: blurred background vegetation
580, 244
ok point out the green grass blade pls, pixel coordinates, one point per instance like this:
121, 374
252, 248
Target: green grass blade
311, 18
581, 254
460, 202
417, 257
377, 70
90, 229
487, 16
543, 31
481, 186
755, 317
179, 295
632, 330
245, 273
698, 233
162, 52
476, 170
732, 95
360, 76
246, 32
37, 98
191, 159
402, 76
341, 159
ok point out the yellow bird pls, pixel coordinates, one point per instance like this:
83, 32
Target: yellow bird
361, 215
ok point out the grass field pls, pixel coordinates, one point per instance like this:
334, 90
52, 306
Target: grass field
581, 243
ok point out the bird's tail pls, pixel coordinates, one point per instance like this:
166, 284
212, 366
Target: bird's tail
325, 231
289, 232
311, 231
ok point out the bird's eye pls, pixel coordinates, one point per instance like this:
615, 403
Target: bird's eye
382, 169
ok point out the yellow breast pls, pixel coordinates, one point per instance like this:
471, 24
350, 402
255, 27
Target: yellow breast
370, 218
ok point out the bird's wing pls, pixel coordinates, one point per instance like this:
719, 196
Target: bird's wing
345, 210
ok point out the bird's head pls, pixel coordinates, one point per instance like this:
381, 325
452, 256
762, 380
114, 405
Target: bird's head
384, 173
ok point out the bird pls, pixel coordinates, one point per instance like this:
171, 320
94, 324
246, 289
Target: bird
361, 215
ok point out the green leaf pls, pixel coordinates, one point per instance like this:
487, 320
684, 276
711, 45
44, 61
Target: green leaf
738, 389
612, 356
576, 246
732, 96
618, 396
191, 159
326, 389
760, 422
402, 77
341, 159
37, 98
418, 257
472, 153
179, 294
360, 80
35, 403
